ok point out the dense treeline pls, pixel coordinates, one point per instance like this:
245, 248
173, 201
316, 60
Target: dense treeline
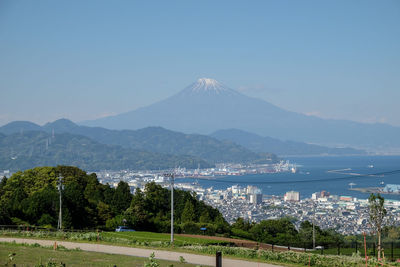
31, 197
283, 232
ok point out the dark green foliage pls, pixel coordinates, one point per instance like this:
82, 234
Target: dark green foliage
188, 214
122, 198
43, 202
283, 232
4, 216
23, 151
2, 184
32, 196
241, 224
150, 210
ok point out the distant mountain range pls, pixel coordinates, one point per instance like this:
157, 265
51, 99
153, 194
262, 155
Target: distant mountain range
190, 150
207, 106
25, 144
258, 143
25, 150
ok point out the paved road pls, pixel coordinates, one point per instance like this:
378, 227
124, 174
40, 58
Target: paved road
139, 252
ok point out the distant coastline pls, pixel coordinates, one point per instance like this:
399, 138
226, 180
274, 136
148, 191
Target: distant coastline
373, 190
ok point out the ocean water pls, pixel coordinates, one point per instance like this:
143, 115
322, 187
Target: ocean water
313, 175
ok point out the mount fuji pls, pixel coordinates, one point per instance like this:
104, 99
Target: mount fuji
207, 106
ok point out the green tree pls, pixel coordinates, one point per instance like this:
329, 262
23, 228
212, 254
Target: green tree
75, 207
280, 231
45, 201
122, 198
104, 212
3, 183
137, 213
204, 217
242, 224
188, 214
377, 213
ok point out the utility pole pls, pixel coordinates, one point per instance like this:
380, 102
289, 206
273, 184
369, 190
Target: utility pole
313, 226
171, 176
60, 188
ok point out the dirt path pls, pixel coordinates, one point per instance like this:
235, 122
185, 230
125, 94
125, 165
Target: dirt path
139, 252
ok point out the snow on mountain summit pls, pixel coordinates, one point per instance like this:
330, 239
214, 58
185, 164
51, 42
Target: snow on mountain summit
209, 86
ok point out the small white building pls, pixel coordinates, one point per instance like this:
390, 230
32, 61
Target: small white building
292, 196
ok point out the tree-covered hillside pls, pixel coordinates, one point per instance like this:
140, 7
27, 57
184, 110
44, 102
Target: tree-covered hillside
154, 139
31, 197
26, 150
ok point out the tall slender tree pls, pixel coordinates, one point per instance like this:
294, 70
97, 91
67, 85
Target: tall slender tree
377, 213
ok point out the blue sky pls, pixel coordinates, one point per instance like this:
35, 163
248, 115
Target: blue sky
87, 59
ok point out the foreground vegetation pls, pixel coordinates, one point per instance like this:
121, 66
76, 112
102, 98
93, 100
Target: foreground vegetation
33, 254
36, 255
290, 257
31, 198
144, 239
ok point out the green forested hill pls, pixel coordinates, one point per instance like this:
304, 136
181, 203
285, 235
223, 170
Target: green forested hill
31, 197
161, 140
30, 149
153, 139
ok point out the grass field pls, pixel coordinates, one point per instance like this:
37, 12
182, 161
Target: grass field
31, 255
197, 245
146, 239
159, 237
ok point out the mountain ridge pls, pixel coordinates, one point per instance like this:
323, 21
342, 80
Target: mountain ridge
38, 148
160, 140
206, 112
258, 143
150, 138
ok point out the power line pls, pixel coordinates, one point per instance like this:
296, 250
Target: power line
379, 174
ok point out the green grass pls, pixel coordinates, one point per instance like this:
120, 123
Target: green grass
199, 245
137, 239
159, 237
30, 255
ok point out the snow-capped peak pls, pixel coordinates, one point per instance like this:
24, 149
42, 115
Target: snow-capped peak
208, 85
208, 82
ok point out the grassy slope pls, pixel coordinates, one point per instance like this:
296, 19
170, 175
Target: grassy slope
116, 238
159, 241
150, 237
29, 256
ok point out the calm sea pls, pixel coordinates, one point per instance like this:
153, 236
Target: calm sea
313, 175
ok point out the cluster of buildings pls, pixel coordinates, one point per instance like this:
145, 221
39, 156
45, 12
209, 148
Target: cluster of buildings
225, 169
345, 214
391, 189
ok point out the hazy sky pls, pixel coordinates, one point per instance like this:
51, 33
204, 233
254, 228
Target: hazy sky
87, 59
